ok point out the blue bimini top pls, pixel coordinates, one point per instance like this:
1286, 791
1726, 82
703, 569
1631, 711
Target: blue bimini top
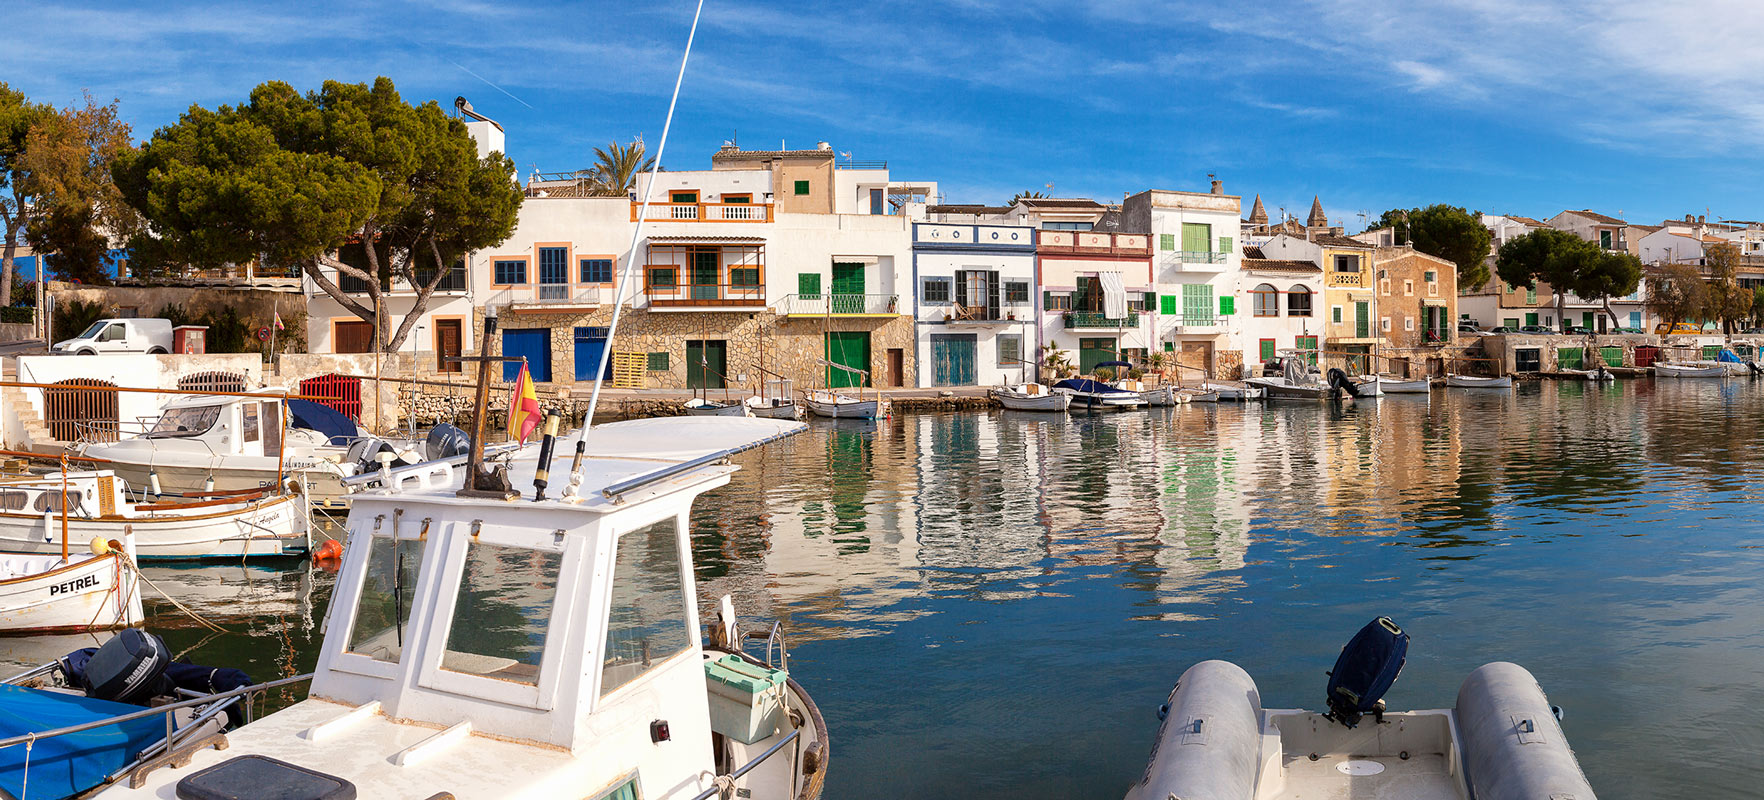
64, 766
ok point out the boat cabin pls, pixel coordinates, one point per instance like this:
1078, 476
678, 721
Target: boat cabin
226, 426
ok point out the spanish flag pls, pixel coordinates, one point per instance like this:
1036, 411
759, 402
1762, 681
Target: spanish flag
523, 408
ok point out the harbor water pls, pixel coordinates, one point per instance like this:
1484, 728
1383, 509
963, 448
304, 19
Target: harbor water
995, 604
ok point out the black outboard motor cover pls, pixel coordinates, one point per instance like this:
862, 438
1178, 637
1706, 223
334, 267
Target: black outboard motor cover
365, 453
446, 441
1365, 671
130, 668
1340, 380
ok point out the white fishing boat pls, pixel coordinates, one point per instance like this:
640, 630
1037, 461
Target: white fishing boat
1090, 395
1665, 370
833, 405
495, 648
1456, 381
1199, 395
1031, 397
772, 407
93, 587
1367, 385
1233, 390
226, 444
1392, 385
701, 407
1597, 375
1150, 396
236, 526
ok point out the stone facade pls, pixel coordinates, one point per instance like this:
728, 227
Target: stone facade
1405, 294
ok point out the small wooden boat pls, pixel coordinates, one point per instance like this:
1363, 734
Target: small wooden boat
772, 407
1201, 396
839, 406
1598, 374
224, 526
1405, 385
1164, 395
1501, 737
1233, 390
1090, 394
1478, 382
1031, 397
701, 407
1663, 370
1367, 385
94, 587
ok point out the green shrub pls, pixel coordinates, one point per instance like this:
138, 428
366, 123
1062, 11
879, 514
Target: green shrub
73, 317
17, 314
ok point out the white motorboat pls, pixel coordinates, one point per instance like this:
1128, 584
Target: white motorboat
1405, 386
1299, 383
1150, 396
232, 526
1090, 394
772, 407
1597, 374
1233, 390
1031, 397
1501, 740
1665, 370
548, 648
1455, 381
701, 407
93, 587
832, 405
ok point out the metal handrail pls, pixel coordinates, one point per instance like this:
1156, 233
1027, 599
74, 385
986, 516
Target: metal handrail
145, 713
749, 766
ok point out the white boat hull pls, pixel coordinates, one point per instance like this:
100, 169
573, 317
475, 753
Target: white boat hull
1421, 386
1369, 386
1589, 374
1161, 396
38, 593
842, 407
703, 408
1234, 391
1015, 400
1682, 371
772, 408
1476, 382
273, 527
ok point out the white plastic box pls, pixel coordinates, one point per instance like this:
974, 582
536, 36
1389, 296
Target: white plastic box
746, 699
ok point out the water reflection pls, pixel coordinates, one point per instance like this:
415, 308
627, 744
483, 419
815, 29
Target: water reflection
973, 593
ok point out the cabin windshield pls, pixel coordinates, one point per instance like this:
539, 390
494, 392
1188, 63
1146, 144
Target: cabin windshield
647, 624
382, 616
183, 422
502, 612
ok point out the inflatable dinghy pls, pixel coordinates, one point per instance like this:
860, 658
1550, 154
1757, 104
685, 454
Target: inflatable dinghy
1501, 741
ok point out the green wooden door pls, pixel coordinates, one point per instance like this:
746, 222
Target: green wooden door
1362, 319
1569, 358
1197, 237
952, 359
1094, 351
1308, 343
847, 294
1267, 350
705, 274
1613, 356
849, 349
1531, 319
707, 361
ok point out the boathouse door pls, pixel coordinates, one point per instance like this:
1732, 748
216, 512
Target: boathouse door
707, 361
534, 344
590, 344
850, 349
1094, 351
952, 359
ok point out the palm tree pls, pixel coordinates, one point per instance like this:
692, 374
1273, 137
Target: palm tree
1055, 359
1027, 196
616, 172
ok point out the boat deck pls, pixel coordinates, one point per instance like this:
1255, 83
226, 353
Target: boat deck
1331, 777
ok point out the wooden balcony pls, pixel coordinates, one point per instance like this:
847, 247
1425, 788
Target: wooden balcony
705, 296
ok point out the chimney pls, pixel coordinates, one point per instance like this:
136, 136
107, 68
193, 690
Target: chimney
823, 146
1218, 187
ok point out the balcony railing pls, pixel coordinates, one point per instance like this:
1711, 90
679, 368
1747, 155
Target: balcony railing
704, 212
535, 297
705, 294
1208, 321
851, 305
1199, 257
1096, 319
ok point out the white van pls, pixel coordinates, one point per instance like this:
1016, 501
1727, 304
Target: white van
152, 336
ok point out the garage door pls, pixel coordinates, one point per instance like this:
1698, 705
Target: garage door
533, 344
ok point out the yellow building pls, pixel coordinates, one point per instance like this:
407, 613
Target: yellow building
1350, 297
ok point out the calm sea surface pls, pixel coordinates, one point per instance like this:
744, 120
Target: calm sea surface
993, 605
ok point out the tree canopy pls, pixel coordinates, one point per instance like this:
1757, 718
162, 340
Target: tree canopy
617, 166
295, 179
1448, 232
1727, 301
78, 209
18, 117
1676, 293
1569, 264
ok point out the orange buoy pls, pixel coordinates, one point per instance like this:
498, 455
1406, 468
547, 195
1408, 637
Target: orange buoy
331, 550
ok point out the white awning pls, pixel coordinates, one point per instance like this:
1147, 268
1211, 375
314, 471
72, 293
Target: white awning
1114, 295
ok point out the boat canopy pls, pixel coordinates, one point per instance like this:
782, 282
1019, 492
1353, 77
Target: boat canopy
71, 764
324, 419
1089, 386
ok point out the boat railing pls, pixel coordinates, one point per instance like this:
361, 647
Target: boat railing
742, 770
209, 707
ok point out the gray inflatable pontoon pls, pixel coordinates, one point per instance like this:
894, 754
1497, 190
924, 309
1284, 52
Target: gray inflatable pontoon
1500, 742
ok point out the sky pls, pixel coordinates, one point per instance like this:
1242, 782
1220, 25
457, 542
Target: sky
1644, 110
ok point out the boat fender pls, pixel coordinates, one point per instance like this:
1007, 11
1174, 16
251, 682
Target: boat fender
1208, 742
331, 550
1514, 748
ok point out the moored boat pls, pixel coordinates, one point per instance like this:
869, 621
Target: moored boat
701, 407
1150, 396
832, 405
265, 523
1405, 386
1031, 397
1200, 395
93, 587
1088, 394
1233, 390
1456, 381
772, 407
1597, 374
1501, 740
1665, 370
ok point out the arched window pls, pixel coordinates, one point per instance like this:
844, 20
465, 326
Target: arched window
1267, 300
1298, 301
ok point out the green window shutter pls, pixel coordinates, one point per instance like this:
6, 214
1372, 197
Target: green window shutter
1169, 347
808, 284
1168, 305
1166, 241
1197, 303
1531, 295
802, 187
1047, 301
1197, 237
1227, 306
658, 362
1267, 349
1335, 314
1511, 322
1224, 244
1151, 301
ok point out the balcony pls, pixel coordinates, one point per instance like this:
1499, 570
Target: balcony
1095, 319
1193, 261
839, 305
705, 296
1081, 243
1196, 324
704, 212
1355, 280
547, 298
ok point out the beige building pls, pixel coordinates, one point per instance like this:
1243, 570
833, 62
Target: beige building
1417, 301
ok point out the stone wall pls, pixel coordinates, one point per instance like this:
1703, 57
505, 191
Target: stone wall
1229, 364
15, 331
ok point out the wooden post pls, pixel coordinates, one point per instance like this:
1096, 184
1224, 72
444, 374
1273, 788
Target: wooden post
479, 482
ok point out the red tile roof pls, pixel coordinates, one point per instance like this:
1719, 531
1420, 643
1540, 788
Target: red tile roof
1597, 217
1279, 265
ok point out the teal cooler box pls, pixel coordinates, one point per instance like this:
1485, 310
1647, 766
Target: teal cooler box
746, 699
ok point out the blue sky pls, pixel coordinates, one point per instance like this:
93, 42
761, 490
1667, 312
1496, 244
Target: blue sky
1516, 106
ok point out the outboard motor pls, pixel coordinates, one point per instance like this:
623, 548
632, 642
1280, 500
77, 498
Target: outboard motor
130, 668
365, 454
1367, 667
1339, 381
446, 441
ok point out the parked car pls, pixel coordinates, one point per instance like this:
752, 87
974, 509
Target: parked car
1627, 330
1471, 329
106, 336
1579, 330
1680, 329
1537, 330
1502, 329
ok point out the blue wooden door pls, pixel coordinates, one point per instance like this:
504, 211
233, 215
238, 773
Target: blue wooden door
590, 344
532, 343
952, 357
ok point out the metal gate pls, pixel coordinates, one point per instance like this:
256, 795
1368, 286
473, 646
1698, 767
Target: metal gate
212, 382
341, 392
81, 407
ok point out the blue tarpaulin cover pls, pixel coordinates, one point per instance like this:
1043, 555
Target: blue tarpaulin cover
1089, 386
324, 419
67, 765
1727, 357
